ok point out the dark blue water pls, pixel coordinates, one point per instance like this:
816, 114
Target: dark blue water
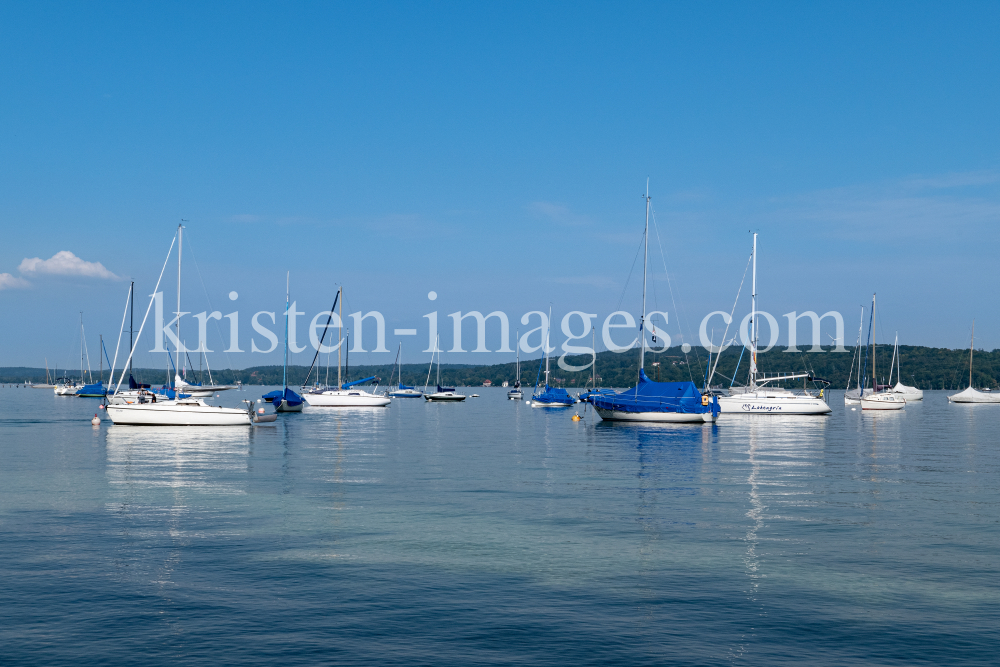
493, 533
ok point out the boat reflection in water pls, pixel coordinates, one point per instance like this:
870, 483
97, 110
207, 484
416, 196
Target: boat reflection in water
165, 456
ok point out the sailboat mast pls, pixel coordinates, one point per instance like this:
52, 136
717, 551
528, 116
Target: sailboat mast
871, 321
645, 256
593, 346
81, 347
436, 349
284, 372
100, 357
548, 328
131, 323
971, 343
180, 246
340, 337
753, 318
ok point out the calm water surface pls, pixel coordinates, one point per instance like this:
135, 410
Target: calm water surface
493, 533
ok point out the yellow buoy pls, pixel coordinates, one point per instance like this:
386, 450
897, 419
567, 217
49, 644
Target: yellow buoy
576, 417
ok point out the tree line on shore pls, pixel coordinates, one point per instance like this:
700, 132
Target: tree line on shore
923, 367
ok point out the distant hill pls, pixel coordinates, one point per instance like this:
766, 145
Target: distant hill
925, 367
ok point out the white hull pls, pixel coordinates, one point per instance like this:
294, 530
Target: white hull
65, 390
445, 397
201, 391
850, 400
909, 393
970, 395
515, 395
883, 401
342, 398
41, 386
656, 417
185, 412
406, 393
779, 402
539, 404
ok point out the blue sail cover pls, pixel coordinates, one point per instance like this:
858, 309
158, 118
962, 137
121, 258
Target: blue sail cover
553, 396
351, 384
291, 398
649, 396
132, 384
91, 390
272, 395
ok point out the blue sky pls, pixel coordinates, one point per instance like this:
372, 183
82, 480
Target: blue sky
497, 155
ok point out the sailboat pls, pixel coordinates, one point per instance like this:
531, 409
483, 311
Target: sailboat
515, 394
651, 401
95, 389
347, 394
970, 395
48, 381
853, 396
549, 397
443, 394
759, 398
910, 394
150, 410
877, 400
288, 401
403, 391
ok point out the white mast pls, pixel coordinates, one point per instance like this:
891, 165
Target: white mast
548, 329
180, 245
642, 316
340, 336
971, 343
753, 318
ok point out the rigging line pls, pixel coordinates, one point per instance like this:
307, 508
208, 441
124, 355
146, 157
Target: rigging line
329, 318
670, 285
218, 330
155, 290
630, 272
719, 355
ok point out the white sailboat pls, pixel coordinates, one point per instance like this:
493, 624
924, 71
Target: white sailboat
853, 396
402, 390
877, 400
757, 397
970, 395
150, 410
515, 394
443, 394
910, 394
346, 395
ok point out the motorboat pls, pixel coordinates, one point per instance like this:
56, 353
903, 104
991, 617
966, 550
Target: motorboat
65, 387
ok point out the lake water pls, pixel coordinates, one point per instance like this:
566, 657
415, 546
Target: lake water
493, 533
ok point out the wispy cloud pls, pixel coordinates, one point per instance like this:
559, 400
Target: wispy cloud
917, 206
65, 263
559, 213
8, 281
